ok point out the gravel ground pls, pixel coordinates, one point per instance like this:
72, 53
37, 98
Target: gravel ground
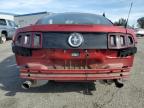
69, 95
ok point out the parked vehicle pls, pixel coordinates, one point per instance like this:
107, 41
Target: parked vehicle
139, 32
7, 29
74, 47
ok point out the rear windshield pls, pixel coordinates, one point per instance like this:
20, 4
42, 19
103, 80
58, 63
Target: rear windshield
74, 18
2, 22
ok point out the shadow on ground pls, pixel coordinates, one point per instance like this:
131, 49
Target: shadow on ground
10, 82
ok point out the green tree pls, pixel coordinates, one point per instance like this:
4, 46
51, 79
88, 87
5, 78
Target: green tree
120, 22
140, 22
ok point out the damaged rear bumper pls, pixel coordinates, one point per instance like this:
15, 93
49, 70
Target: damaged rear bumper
74, 75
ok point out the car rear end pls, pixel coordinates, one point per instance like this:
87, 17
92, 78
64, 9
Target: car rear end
73, 48
47, 55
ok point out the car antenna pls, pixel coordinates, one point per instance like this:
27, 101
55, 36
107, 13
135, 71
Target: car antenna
104, 14
128, 15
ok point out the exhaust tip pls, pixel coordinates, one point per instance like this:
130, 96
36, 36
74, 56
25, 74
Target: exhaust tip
25, 86
118, 83
33, 83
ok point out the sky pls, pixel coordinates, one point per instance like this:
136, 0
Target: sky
114, 9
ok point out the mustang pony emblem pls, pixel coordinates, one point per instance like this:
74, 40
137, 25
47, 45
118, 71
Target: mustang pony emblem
75, 39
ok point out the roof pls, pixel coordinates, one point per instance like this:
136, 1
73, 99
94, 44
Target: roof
5, 13
32, 14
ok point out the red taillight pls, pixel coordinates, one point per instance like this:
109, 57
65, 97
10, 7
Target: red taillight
119, 40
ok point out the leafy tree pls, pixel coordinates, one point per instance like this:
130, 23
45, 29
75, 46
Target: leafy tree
120, 22
140, 22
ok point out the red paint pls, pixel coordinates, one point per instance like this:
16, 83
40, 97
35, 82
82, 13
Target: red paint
76, 28
57, 64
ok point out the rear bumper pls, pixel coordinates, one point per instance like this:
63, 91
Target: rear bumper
74, 75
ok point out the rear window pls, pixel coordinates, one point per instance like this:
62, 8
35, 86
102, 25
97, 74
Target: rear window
2, 22
74, 18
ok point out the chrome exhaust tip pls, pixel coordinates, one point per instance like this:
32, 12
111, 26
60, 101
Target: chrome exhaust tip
27, 84
118, 83
33, 83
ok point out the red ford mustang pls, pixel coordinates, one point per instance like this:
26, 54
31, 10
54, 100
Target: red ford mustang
74, 47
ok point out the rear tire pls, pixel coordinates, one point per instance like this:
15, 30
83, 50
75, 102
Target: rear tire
3, 38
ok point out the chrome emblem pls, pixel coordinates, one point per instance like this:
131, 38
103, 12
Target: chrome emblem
75, 39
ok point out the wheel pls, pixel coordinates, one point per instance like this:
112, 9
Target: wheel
3, 38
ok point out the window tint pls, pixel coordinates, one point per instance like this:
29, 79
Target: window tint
2, 22
74, 18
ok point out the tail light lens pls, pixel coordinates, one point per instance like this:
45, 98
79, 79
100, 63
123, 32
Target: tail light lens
27, 40
130, 41
122, 40
113, 40
32, 39
37, 40
18, 40
118, 40
23, 39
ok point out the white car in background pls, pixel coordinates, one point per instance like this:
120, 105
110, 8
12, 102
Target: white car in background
7, 29
139, 32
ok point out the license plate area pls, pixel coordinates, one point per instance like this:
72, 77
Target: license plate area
75, 54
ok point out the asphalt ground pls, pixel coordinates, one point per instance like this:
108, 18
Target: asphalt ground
69, 95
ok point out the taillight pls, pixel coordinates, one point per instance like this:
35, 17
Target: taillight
112, 41
122, 40
29, 40
119, 40
37, 40
130, 41
18, 40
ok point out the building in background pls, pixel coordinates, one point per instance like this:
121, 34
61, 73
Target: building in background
7, 16
29, 19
